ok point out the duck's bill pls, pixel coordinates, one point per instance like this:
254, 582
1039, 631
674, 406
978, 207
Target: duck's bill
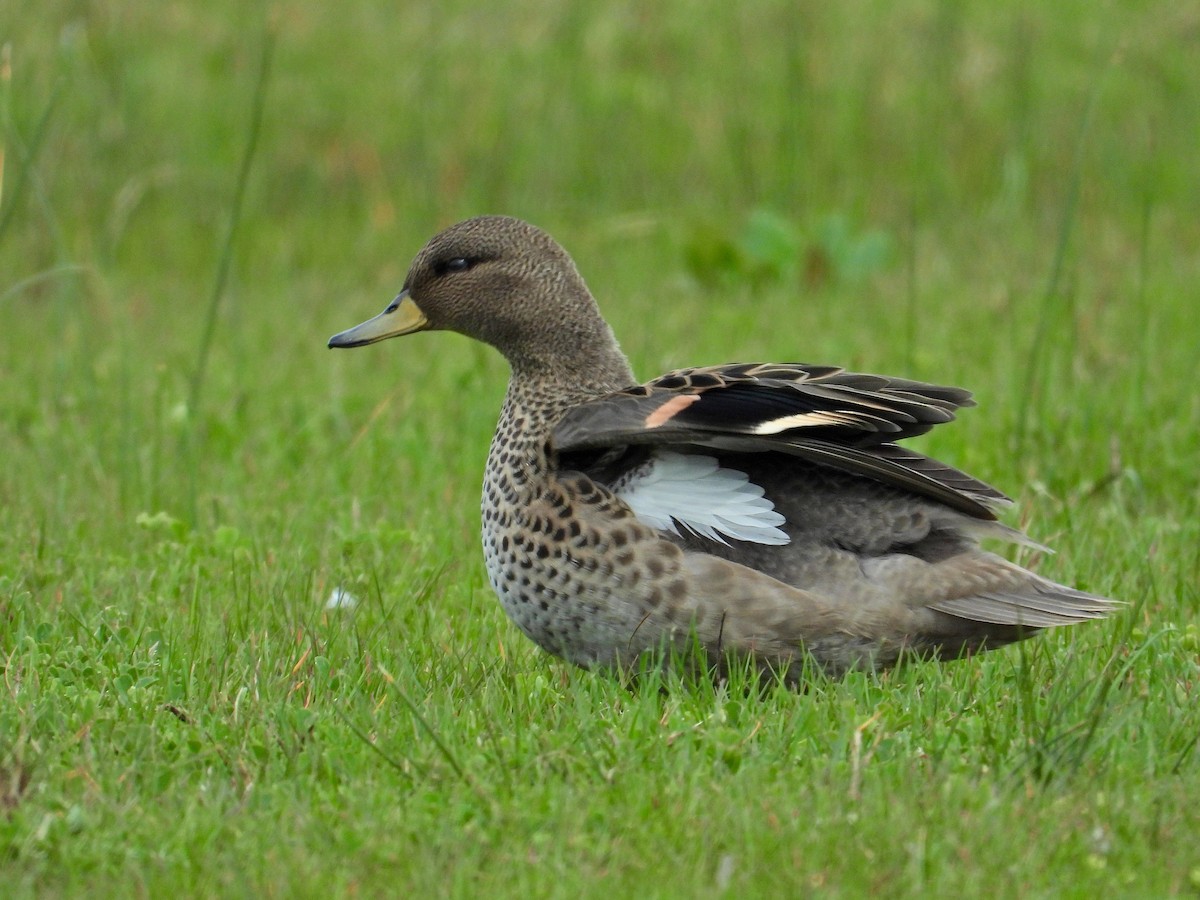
402, 316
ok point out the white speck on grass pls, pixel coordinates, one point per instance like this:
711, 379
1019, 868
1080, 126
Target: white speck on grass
724, 871
341, 599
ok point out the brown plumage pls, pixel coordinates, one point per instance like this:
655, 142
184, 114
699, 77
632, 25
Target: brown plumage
763, 511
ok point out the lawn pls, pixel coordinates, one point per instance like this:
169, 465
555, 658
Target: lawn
195, 196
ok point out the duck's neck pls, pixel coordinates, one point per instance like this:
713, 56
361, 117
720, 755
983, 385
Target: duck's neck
583, 362
536, 399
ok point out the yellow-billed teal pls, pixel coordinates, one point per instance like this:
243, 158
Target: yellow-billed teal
760, 510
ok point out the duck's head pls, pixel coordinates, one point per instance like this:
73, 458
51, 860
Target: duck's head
502, 281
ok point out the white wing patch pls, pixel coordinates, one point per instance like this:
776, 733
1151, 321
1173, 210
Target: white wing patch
676, 490
805, 420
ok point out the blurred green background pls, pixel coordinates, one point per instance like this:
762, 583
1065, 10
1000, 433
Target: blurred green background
952, 126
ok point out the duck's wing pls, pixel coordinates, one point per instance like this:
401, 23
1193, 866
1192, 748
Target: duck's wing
821, 415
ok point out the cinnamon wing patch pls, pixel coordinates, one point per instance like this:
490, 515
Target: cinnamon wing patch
671, 408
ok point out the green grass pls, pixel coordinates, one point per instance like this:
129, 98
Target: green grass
178, 710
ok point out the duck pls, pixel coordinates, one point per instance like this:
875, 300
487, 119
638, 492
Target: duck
758, 513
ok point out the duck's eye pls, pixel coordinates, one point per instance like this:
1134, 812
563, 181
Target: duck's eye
457, 264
